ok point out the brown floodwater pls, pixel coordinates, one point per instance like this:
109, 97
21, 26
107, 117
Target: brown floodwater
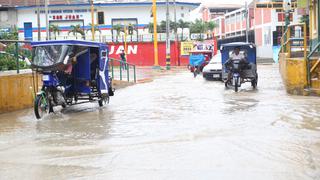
176, 127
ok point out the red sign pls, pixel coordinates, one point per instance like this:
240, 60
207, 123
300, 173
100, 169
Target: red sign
65, 17
142, 53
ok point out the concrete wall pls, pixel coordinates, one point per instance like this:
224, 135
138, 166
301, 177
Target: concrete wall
294, 76
16, 92
8, 19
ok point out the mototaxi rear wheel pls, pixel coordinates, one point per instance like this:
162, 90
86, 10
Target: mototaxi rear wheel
103, 101
254, 82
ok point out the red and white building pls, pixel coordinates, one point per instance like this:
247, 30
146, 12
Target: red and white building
219, 32
211, 10
235, 22
266, 24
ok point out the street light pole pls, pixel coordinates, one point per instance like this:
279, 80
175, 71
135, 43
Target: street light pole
125, 29
38, 19
167, 36
247, 22
175, 16
155, 34
287, 10
92, 19
47, 20
175, 31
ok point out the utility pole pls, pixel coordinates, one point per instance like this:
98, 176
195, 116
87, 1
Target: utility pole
175, 16
92, 19
47, 20
175, 31
125, 29
167, 36
38, 19
247, 22
155, 34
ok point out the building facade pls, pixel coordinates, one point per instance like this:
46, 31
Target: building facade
212, 10
106, 15
219, 31
8, 18
265, 24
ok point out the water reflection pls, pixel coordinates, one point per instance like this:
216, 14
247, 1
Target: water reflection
234, 105
77, 125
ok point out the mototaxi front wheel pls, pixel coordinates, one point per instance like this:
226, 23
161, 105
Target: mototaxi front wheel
236, 84
226, 84
41, 106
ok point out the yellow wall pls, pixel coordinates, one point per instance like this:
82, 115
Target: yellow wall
16, 92
294, 74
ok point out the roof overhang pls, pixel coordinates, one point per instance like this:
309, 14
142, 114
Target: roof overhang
66, 42
127, 4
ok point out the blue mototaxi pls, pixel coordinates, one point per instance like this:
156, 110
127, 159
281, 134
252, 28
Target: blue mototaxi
199, 58
196, 60
73, 72
248, 74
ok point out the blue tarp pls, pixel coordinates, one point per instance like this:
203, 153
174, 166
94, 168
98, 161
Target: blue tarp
196, 60
276, 50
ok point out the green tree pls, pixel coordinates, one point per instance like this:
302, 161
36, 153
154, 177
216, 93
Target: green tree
174, 26
198, 27
77, 30
131, 29
211, 26
8, 58
12, 35
183, 25
150, 28
163, 27
55, 30
95, 29
118, 28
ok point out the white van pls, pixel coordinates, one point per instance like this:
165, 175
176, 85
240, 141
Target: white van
213, 70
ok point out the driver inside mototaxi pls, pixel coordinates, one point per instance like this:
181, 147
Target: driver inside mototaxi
236, 55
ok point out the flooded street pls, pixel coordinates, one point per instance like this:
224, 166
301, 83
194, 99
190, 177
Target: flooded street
176, 127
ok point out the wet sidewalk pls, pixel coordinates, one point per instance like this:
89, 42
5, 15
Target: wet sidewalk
144, 73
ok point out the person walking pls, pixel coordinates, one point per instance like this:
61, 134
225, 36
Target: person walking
123, 59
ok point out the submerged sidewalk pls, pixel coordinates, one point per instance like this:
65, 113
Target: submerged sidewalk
145, 73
